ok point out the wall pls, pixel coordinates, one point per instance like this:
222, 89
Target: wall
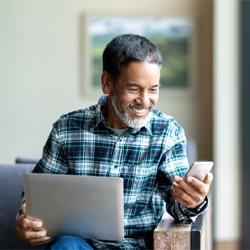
41, 70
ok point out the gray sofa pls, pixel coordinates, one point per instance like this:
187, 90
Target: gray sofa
11, 186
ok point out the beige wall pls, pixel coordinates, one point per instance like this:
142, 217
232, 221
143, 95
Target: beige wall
41, 69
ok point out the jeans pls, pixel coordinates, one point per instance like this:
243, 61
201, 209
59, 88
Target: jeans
68, 243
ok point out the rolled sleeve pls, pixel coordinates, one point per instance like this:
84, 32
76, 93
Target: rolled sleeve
193, 213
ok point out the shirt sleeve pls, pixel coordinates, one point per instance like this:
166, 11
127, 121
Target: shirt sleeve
175, 163
54, 159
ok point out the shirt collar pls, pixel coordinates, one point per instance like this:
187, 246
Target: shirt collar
147, 126
100, 119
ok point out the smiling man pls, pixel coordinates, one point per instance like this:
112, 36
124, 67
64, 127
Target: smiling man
123, 135
133, 95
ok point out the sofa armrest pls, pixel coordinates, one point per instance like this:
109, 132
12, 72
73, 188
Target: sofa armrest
26, 160
11, 187
173, 235
170, 234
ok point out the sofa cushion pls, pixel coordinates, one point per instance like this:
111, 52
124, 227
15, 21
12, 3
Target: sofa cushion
11, 186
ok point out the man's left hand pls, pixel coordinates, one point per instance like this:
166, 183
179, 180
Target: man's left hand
189, 191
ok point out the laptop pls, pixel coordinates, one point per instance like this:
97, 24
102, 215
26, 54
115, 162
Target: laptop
87, 206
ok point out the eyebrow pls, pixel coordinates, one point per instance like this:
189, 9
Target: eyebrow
132, 84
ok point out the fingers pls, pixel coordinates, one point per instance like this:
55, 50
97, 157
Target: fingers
209, 178
31, 231
197, 187
38, 241
33, 237
184, 201
24, 209
190, 192
24, 223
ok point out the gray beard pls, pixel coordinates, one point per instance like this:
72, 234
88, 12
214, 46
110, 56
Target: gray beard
132, 123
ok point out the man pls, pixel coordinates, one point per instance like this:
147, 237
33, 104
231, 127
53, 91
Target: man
124, 136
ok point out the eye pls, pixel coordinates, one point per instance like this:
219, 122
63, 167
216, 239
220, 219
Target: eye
154, 89
133, 90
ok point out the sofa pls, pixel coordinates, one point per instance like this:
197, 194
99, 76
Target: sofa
11, 186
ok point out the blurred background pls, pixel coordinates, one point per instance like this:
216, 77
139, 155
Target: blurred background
45, 71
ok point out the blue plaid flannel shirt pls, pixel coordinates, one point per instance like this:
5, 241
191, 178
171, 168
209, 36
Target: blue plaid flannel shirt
82, 143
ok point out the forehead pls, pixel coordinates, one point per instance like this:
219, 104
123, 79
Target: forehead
141, 73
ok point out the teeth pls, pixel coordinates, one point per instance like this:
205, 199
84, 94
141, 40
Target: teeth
139, 110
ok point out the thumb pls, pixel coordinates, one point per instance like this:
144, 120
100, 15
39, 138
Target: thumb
209, 178
24, 209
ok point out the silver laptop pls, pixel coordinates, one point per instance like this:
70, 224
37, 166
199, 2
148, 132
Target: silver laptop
87, 206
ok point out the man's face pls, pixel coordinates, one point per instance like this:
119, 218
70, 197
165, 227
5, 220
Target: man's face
134, 95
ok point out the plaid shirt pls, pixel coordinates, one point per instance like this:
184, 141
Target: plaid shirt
82, 143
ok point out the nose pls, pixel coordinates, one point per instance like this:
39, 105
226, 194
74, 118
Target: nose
143, 98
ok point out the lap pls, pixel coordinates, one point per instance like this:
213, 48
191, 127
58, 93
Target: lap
68, 242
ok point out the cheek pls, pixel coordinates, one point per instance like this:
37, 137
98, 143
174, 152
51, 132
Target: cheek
155, 100
125, 99
121, 105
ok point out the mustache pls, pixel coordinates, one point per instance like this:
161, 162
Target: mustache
131, 104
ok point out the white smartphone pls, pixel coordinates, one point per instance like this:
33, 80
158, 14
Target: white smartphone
199, 169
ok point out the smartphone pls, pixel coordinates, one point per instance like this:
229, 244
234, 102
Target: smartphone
199, 169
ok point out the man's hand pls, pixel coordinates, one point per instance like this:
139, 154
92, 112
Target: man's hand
31, 231
189, 191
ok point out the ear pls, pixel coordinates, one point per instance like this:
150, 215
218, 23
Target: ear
106, 82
